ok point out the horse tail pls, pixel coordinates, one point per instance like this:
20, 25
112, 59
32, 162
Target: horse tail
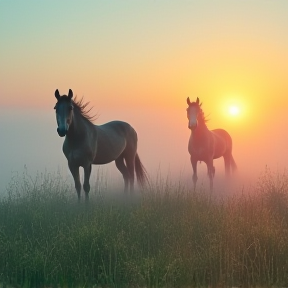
141, 172
233, 164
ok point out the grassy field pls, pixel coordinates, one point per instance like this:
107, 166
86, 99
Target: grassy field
168, 237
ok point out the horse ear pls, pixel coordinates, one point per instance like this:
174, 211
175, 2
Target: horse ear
197, 100
188, 101
70, 94
57, 95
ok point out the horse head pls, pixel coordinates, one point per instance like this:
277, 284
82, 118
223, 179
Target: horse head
193, 112
64, 112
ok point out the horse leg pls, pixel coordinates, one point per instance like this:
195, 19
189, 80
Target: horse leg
86, 185
75, 173
123, 169
211, 173
194, 166
233, 164
130, 163
227, 161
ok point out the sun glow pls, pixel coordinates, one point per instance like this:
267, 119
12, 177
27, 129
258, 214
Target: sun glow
234, 110
234, 107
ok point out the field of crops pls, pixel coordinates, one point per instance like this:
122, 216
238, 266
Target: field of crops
166, 237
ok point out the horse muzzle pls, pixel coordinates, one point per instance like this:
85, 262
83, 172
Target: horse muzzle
192, 126
62, 132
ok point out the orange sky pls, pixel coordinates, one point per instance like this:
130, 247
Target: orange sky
140, 60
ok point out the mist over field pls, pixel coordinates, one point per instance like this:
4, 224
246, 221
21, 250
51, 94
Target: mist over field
29, 141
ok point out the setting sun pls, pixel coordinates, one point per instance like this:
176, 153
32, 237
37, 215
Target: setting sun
234, 107
234, 110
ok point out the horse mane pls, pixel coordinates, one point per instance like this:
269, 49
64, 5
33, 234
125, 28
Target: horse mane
81, 107
202, 117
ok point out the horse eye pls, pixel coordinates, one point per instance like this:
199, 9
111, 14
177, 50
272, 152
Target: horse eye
70, 107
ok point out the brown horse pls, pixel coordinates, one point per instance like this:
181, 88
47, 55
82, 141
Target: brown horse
205, 145
86, 144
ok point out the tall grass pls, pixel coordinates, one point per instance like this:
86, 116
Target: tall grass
168, 237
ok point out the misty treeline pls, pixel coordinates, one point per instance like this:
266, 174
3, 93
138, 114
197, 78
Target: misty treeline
169, 236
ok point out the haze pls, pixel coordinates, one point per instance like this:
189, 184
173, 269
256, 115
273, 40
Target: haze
138, 61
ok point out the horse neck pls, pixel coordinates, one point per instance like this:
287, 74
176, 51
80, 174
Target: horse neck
78, 128
201, 130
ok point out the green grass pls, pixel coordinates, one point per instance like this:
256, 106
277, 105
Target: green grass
168, 237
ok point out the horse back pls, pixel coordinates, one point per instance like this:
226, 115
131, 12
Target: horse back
112, 139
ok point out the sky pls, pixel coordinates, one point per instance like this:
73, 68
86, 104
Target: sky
138, 61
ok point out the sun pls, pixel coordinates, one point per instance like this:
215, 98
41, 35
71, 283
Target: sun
234, 110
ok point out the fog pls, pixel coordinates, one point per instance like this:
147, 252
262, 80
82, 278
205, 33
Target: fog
29, 141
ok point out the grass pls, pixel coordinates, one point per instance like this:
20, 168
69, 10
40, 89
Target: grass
168, 237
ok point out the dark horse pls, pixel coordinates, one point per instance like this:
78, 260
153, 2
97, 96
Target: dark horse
205, 145
86, 144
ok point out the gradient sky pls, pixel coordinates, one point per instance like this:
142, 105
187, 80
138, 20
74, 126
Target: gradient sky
138, 61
